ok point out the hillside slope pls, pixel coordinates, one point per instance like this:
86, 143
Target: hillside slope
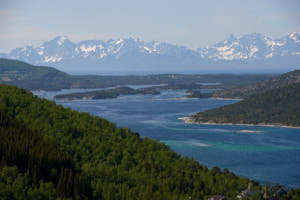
260, 87
31, 77
280, 106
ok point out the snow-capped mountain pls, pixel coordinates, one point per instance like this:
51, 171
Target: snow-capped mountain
133, 54
253, 47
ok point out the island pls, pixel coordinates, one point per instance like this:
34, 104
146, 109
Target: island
153, 90
107, 94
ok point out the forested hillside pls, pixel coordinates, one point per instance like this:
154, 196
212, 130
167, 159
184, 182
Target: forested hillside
48, 151
279, 106
23, 75
261, 86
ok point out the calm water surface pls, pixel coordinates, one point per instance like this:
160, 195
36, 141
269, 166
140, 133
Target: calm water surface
273, 155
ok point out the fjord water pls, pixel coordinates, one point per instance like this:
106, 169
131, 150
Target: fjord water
272, 155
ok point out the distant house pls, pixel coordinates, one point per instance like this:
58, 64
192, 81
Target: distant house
278, 191
246, 194
217, 197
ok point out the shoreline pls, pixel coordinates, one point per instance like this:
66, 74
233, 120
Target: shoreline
220, 98
189, 120
182, 98
215, 98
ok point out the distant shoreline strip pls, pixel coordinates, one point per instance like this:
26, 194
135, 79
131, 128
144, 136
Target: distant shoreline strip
189, 120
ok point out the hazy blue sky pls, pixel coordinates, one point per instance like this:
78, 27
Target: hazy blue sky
193, 23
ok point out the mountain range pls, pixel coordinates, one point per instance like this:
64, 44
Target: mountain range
251, 52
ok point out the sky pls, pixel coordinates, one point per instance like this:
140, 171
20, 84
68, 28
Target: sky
192, 23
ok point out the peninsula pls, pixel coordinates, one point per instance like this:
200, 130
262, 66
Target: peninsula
276, 107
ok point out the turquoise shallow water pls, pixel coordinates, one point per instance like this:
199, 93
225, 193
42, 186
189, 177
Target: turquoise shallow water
272, 155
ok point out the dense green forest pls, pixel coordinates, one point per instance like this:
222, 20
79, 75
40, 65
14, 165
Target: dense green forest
50, 152
279, 106
260, 87
31, 77
107, 94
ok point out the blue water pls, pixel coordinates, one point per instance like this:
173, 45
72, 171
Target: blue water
272, 155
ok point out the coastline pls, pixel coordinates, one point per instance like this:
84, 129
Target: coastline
220, 98
216, 98
182, 98
189, 120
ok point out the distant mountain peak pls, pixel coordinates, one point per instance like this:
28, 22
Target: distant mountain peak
294, 36
60, 39
119, 40
253, 48
232, 38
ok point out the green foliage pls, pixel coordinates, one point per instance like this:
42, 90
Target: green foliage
31, 77
276, 107
14, 185
293, 194
261, 86
38, 158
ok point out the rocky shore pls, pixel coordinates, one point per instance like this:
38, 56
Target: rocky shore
191, 120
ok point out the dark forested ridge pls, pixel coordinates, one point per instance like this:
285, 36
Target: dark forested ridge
48, 151
31, 77
279, 106
260, 87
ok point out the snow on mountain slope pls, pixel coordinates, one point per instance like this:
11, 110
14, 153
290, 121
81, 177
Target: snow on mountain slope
253, 46
139, 55
62, 48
